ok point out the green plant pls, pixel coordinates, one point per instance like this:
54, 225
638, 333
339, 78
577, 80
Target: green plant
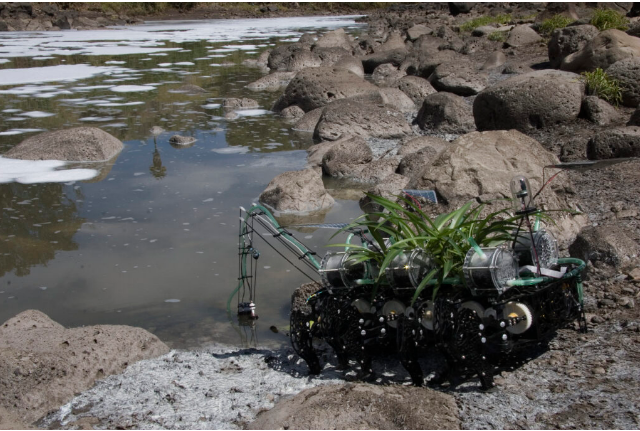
605, 19
446, 238
600, 84
557, 21
498, 36
485, 20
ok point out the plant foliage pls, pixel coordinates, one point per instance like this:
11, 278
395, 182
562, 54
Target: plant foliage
485, 20
557, 21
605, 19
600, 84
498, 36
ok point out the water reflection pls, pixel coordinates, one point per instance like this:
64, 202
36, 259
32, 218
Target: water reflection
36, 222
157, 170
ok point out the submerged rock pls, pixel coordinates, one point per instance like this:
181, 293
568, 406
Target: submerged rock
77, 144
182, 141
272, 82
242, 103
191, 89
297, 191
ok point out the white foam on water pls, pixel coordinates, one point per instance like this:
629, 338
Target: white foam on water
113, 104
223, 50
185, 63
211, 106
252, 112
19, 131
91, 87
231, 150
40, 171
65, 72
172, 300
29, 89
162, 54
164, 64
217, 56
42, 58
37, 114
201, 58
131, 88
114, 62
97, 119
241, 47
4, 60
11, 111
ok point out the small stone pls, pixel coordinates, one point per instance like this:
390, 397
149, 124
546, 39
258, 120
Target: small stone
635, 274
599, 370
627, 214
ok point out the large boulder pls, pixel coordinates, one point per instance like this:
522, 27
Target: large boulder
418, 30
351, 117
396, 99
317, 86
459, 78
522, 35
446, 113
345, 156
362, 406
567, 40
390, 188
627, 72
43, 364
424, 63
610, 245
330, 56
598, 111
602, 51
393, 43
395, 57
316, 152
77, 144
351, 64
387, 75
334, 39
414, 163
635, 118
530, 101
291, 58
614, 143
415, 87
309, 120
420, 142
297, 191
272, 82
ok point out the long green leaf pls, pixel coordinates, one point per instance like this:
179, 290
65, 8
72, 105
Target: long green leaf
423, 284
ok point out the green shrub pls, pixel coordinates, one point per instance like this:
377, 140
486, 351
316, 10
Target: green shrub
485, 20
498, 36
605, 19
598, 83
557, 21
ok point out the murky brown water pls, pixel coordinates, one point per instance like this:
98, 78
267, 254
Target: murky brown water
159, 223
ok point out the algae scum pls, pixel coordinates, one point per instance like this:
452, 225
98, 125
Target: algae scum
151, 239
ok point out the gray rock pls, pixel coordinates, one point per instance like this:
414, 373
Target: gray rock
292, 58
530, 101
565, 9
350, 117
567, 40
446, 113
307, 39
483, 30
457, 8
343, 158
242, 103
635, 118
316, 153
77, 144
419, 142
414, 163
395, 57
522, 35
390, 188
494, 60
297, 191
292, 112
351, 64
511, 68
450, 39
377, 171
315, 87
387, 75
263, 58
309, 121
415, 87
424, 63
330, 56
418, 30
182, 141
393, 43
598, 111
627, 72
614, 143
190, 89
336, 38
609, 244
609, 47
272, 82
396, 99
458, 78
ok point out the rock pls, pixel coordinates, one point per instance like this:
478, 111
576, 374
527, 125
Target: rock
316, 87
335, 38
567, 40
350, 117
316, 152
635, 274
396, 99
43, 365
292, 58
61, 22
522, 35
243, 103
340, 159
450, 39
610, 244
414, 163
395, 57
423, 64
598, 111
481, 164
419, 142
446, 113
564, 9
530, 101
495, 59
377, 171
511, 68
362, 406
156, 130
387, 75
635, 118
77, 144
390, 188
609, 47
351, 64
393, 43
190, 89
627, 72
182, 141
297, 191
292, 112
309, 121
263, 58
307, 39
300, 295
272, 82
458, 78
598, 371
418, 30
415, 87
483, 30
614, 143
330, 56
